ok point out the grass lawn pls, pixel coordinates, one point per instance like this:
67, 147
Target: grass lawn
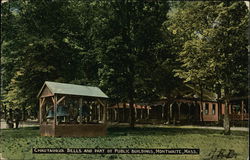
18, 143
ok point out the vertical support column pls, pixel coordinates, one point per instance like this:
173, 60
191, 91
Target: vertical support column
162, 111
99, 112
218, 110
189, 115
55, 110
96, 113
135, 108
115, 111
148, 112
109, 118
179, 111
80, 106
141, 111
104, 112
170, 111
242, 110
123, 113
118, 113
40, 111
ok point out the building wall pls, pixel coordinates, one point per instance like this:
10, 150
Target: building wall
210, 111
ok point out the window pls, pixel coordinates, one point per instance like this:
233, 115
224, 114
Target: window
213, 109
206, 108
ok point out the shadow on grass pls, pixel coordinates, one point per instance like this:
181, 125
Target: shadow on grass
25, 132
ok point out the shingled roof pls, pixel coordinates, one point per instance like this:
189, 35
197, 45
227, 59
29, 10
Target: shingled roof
73, 89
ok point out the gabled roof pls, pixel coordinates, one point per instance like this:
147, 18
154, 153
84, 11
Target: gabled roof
72, 89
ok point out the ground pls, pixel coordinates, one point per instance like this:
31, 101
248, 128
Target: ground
18, 143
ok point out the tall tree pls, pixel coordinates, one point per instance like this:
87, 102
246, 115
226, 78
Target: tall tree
39, 50
214, 46
126, 45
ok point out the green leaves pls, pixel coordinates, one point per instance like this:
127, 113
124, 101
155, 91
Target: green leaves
211, 39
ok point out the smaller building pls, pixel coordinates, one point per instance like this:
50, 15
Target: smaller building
68, 110
120, 112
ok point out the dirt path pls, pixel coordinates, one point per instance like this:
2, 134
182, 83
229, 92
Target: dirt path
183, 126
32, 123
216, 128
29, 123
1, 158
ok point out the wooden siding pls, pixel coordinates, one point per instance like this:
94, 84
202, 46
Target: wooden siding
84, 130
210, 116
46, 92
47, 130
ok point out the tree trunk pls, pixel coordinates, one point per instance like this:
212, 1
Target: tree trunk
17, 123
226, 122
9, 120
5, 112
132, 114
219, 104
201, 105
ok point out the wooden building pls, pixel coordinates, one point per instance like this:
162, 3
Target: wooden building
190, 110
120, 112
182, 111
68, 110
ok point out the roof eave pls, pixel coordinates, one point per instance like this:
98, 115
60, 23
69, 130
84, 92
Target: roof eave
43, 88
39, 93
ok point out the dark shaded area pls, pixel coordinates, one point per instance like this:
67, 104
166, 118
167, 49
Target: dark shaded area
28, 132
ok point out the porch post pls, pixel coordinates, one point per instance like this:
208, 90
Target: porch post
108, 114
41, 103
99, 112
162, 111
170, 112
118, 113
141, 111
179, 111
135, 108
40, 111
148, 112
55, 110
189, 115
242, 110
105, 112
80, 105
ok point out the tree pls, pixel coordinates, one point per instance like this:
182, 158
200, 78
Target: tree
229, 55
214, 47
37, 49
125, 41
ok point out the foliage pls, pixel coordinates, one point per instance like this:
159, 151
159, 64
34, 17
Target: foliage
212, 49
116, 45
213, 45
123, 47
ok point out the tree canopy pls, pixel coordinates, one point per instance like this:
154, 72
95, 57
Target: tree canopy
213, 46
136, 51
